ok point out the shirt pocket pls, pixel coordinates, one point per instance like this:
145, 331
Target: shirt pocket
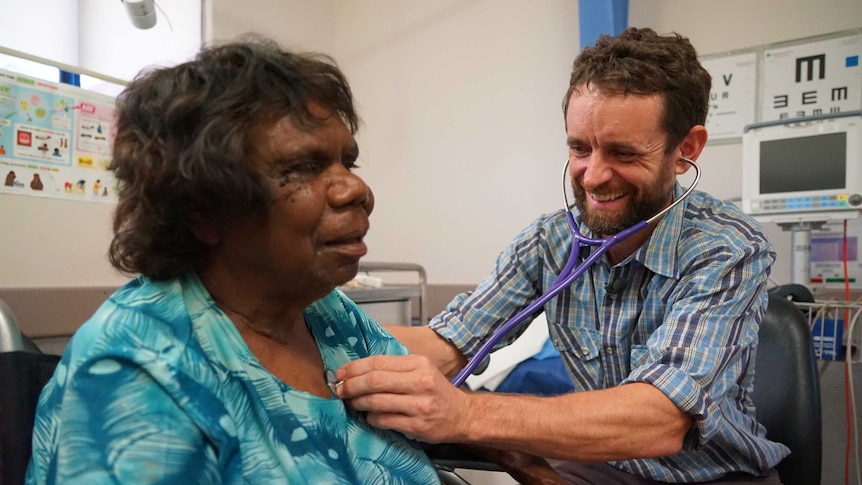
581, 343
638, 356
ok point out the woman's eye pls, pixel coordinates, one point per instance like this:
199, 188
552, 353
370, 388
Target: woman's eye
308, 167
350, 164
305, 167
291, 172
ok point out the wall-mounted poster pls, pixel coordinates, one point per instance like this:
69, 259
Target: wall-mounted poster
732, 99
55, 140
812, 79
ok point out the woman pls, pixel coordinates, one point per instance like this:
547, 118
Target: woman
240, 213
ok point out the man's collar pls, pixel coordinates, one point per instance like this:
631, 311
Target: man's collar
659, 253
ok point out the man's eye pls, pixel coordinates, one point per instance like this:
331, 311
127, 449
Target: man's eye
350, 164
578, 151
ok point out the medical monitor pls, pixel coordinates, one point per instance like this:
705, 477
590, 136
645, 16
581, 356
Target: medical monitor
803, 166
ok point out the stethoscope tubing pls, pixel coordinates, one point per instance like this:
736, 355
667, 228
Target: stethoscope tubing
571, 271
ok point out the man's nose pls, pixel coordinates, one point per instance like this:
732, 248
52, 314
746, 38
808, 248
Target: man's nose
597, 172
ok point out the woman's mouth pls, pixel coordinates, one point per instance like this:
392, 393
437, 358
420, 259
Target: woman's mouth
352, 246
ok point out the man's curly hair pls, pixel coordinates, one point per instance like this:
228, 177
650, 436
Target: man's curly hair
643, 63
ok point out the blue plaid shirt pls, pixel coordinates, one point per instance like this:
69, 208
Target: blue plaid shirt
686, 322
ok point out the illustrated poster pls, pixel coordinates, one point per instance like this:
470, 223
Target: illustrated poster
55, 140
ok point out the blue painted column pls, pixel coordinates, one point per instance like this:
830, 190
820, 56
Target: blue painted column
597, 17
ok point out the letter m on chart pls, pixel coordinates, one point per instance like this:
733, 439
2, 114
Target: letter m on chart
808, 63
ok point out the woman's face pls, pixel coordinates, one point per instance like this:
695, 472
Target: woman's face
311, 238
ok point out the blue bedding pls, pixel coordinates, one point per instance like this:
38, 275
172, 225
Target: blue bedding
544, 374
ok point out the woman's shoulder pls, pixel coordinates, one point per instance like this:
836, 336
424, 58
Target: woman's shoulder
141, 315
344, 324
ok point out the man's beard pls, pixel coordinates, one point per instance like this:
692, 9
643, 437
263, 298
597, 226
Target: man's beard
652, 200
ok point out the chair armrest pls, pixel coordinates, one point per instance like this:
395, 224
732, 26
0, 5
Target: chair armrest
454, 456
526, 469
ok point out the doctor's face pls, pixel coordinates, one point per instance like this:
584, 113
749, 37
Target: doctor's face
620, 172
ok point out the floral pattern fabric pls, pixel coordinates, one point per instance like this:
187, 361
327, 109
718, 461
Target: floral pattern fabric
159, 387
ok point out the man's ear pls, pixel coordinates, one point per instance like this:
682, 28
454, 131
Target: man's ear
691, 146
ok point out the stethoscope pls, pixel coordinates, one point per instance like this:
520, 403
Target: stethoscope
572, 271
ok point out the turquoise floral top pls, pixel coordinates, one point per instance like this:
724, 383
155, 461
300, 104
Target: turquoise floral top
159, 387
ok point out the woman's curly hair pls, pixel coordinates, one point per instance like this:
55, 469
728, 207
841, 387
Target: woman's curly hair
184, 135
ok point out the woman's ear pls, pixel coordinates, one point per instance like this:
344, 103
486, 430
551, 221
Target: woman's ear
691, 147
204, 231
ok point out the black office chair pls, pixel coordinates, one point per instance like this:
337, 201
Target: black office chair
786, 396
787, 390
22, 376
24, 371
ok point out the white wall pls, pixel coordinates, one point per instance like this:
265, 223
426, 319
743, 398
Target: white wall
295, 24
22, 28
463, 139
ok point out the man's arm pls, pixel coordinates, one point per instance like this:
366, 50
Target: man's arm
409, 394
625, 422
424, 341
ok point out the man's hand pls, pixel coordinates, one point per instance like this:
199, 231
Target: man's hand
408, 394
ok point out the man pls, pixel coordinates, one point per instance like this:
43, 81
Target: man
662, 364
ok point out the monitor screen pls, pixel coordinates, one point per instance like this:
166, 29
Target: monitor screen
817, 162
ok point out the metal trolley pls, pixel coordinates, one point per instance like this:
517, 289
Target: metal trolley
399, 295
837, 333
836, 328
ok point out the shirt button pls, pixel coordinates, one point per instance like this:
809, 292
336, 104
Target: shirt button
585, 351
609, 350
557, 342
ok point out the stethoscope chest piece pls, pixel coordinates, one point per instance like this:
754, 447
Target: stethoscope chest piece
332, 382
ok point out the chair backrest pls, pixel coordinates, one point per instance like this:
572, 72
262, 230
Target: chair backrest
22, 377
10, 334
787, 391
